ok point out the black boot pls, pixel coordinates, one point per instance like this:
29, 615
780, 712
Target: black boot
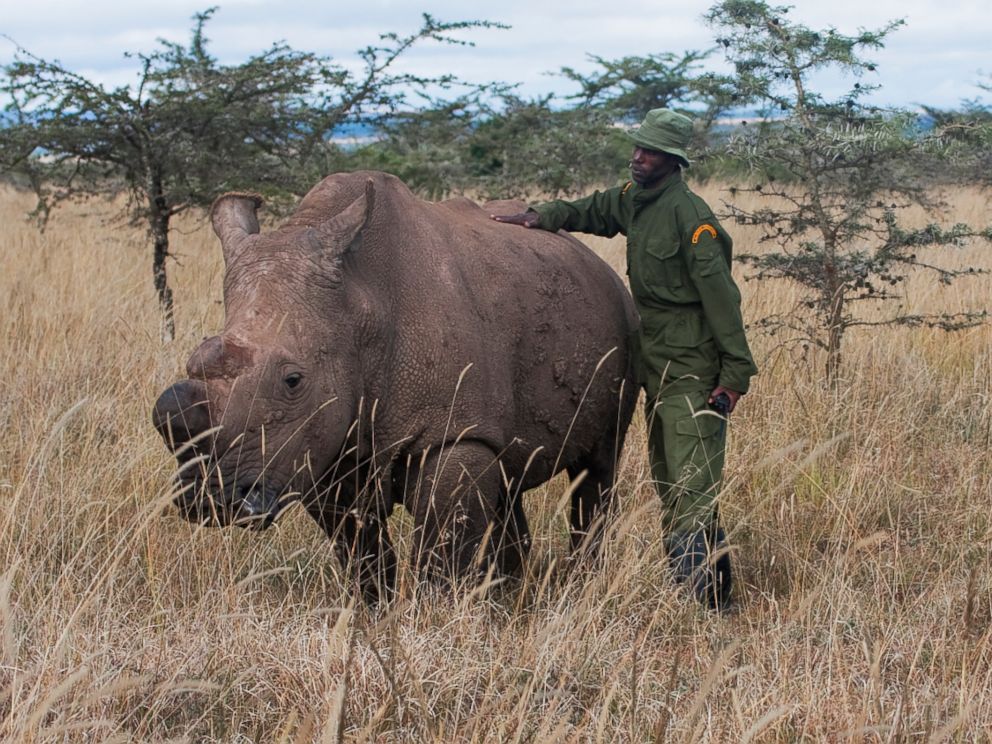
689, 554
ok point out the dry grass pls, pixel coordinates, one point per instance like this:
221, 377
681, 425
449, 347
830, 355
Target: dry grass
861, 518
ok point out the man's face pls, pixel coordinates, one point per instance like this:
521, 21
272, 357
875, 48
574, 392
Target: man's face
649, 167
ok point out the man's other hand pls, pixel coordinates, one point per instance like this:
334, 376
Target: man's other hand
732, 394
526, 219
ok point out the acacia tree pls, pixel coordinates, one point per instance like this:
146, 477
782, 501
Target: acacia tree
832, 175
506, 146
969, 136
503, 145
628, 87
192, 128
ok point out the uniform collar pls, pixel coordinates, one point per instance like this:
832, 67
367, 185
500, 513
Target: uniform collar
642, 195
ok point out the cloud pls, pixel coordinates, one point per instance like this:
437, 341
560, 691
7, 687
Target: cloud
935, 58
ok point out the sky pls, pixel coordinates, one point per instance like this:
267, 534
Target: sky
935, 59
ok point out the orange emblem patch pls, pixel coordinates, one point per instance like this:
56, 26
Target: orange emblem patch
700, 230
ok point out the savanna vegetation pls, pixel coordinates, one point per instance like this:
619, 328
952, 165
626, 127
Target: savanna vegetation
860, 512
860, 519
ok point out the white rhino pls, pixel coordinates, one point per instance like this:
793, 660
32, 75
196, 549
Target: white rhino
379, 349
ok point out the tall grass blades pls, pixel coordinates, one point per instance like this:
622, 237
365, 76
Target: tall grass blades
860, 519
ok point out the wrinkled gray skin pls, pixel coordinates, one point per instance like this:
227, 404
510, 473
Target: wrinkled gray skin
379, 349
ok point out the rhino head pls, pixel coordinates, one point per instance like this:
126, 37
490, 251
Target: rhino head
268, 403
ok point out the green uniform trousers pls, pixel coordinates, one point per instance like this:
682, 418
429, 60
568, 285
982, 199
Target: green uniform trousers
686, 442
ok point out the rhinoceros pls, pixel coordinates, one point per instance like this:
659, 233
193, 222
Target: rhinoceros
379, 349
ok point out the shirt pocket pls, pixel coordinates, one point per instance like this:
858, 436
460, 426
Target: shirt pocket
712, 264
663, 264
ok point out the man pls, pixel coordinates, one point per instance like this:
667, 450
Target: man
693, 359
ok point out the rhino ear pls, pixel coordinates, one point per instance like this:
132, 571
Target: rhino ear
235, 220
343, 232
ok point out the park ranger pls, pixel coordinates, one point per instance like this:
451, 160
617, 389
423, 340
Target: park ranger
692, 356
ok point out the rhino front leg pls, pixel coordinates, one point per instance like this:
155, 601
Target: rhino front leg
366, 551
362, 545
456, 507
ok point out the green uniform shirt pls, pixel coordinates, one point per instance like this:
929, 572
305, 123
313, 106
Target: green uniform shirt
678, 260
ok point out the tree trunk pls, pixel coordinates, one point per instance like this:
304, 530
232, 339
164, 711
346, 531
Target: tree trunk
160, 235
835, 335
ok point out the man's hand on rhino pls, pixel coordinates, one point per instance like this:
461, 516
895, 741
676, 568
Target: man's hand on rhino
526, 219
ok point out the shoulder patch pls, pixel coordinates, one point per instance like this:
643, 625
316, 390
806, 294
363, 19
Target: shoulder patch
701, 229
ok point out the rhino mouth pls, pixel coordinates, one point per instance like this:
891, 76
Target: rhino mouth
204, 502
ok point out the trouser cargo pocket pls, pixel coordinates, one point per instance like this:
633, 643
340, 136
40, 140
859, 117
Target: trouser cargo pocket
686, 442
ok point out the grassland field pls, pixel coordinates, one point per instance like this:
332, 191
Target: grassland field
860, 517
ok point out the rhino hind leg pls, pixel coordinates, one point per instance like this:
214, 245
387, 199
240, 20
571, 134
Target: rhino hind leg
455, 507
592, 500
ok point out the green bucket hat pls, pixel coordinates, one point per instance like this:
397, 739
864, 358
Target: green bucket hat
665, 131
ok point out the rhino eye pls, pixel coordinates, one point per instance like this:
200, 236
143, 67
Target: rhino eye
292, 380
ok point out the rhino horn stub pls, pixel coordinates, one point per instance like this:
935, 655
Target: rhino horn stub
218, 357
234, 218
181, 413
339, 234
